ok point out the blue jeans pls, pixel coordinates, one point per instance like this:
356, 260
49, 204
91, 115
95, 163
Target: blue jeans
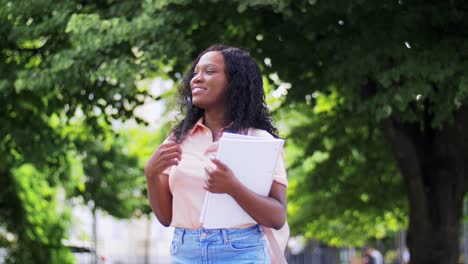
229, 245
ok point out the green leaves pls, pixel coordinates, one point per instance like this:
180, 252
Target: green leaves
37, 197
88, 33
43, 223
67, 70
338, 171
334, 70
114, 181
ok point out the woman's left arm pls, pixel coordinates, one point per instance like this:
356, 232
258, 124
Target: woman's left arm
268, 211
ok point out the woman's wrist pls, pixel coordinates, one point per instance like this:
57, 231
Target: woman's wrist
151, 174
237, 188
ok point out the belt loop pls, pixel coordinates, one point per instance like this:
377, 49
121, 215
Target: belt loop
183, 235
225, 235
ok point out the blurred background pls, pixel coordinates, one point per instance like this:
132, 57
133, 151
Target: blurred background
371, 97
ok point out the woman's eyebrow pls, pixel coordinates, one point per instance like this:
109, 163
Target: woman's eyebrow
206, 65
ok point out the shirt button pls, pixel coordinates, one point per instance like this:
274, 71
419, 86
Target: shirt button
203, 235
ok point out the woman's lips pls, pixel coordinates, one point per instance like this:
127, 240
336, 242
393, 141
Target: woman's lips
198, 90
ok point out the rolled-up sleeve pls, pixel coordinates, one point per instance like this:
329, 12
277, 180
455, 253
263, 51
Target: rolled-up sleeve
279, 175
280, 171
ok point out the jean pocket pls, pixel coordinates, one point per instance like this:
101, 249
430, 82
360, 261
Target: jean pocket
247, 243
174, 247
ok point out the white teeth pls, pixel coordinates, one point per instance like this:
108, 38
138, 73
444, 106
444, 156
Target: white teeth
197, 89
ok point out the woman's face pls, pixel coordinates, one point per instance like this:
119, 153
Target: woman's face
209, 82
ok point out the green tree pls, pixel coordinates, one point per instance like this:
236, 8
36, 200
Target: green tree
384, 87
51, 75
397, 73
340, 190
113, 180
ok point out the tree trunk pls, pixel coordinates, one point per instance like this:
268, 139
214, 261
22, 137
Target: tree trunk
148, 239
433, 164
465, 232
96, 259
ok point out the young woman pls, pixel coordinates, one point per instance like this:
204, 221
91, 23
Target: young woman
223, 91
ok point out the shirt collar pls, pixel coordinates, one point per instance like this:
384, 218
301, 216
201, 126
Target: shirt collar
197, 125
200, 125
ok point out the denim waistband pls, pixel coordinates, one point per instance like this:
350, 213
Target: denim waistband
223, 234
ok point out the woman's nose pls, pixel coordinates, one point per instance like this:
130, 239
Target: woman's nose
197, 78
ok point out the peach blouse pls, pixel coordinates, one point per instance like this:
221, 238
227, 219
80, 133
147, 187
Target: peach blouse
186, 179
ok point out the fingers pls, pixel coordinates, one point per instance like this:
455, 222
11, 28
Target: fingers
216, 180
168, 154
206, 184
219, 164
211, 174
221, 169
170, 161
209, 171
171, 155
169, 143
170, 151
166, 148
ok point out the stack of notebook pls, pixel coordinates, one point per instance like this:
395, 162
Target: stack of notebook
253, 161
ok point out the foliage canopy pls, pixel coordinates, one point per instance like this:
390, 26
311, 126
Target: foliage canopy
376, 91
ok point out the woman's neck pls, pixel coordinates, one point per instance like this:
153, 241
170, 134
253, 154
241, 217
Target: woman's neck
215, 122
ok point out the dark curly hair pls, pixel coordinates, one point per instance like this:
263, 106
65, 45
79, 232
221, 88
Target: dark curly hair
245, 105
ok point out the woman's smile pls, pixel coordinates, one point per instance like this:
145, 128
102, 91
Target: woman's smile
198, 90
209, 82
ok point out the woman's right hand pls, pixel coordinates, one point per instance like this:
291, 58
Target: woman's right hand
166, 155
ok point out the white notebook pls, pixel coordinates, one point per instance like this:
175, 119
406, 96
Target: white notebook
253, 161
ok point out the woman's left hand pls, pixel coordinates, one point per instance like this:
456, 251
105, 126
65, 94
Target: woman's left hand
220, 179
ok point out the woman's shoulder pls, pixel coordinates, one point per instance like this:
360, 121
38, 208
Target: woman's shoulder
256, 132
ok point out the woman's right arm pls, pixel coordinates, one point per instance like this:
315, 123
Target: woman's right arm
159, 193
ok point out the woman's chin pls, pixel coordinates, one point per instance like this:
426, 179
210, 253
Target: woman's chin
198, 104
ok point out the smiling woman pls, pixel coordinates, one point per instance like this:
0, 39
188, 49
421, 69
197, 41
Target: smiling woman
223, 91
209, 82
